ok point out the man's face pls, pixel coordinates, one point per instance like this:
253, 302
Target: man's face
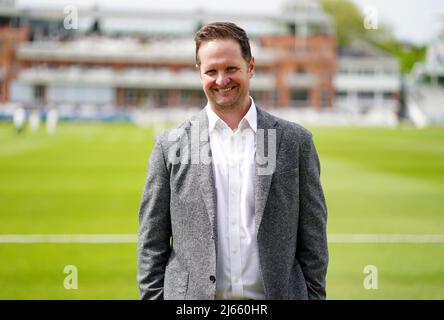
225, 74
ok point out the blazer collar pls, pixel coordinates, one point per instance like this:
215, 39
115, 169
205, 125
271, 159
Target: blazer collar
265, 123
205, 169
250, 117
268, 128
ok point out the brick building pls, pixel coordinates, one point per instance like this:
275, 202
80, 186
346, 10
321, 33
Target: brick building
295, 51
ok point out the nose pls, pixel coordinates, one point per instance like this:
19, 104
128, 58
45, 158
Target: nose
222, 79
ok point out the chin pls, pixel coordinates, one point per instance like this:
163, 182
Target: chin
226, 104
233, 101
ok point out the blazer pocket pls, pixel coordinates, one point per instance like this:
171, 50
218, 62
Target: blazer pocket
182, 285
175, 284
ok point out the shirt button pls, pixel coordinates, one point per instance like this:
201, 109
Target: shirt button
213, 279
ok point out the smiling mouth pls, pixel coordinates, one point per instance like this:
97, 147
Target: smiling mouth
225, 90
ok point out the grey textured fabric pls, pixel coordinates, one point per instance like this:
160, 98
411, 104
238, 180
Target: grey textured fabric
177, 217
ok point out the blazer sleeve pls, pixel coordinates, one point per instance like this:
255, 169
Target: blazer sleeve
154, 227
312, 250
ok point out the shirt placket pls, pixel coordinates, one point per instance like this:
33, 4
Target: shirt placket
234, 190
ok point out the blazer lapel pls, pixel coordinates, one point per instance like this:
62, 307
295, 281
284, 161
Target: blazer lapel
205, 169
262, 181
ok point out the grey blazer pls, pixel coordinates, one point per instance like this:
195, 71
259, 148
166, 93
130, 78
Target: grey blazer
177, 216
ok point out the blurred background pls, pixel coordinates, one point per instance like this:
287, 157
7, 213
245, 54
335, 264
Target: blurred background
86, 85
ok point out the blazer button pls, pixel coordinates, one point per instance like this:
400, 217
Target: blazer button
213, 279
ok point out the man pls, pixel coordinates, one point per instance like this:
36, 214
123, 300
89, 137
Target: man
233, 207
19, 119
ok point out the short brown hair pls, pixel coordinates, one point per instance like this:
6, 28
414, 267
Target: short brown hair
223, 30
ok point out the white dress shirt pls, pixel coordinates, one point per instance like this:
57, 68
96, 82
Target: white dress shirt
233, 154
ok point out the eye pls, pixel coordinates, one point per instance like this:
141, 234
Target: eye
210, 72
232, 69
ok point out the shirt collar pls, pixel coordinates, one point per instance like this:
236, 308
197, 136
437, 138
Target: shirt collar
213, 118
250, 117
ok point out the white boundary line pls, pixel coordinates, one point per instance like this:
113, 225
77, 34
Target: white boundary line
132, 238
68, 238
386, 238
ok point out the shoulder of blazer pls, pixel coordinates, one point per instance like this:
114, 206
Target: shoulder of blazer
171, 136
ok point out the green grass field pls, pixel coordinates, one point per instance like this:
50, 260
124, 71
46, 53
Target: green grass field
88, 179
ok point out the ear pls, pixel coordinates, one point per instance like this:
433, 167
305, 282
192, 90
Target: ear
251, 67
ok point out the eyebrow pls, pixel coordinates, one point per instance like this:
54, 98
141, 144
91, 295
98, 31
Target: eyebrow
211, 68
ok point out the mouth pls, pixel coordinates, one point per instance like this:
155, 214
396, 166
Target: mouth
224, 90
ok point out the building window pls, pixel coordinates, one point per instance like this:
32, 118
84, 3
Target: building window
192, 98
366, 72
39, 93
366, 95
274, 97
341, 94
256, 95
163, 97
301, 70
300, 97
292, 28
131, 96
388, 95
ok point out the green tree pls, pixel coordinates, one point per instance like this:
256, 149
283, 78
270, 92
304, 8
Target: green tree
349, 23
347, 18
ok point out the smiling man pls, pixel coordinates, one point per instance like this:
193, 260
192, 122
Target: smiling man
224, 229
226, 67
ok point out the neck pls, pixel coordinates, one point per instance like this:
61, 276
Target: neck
232, 116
